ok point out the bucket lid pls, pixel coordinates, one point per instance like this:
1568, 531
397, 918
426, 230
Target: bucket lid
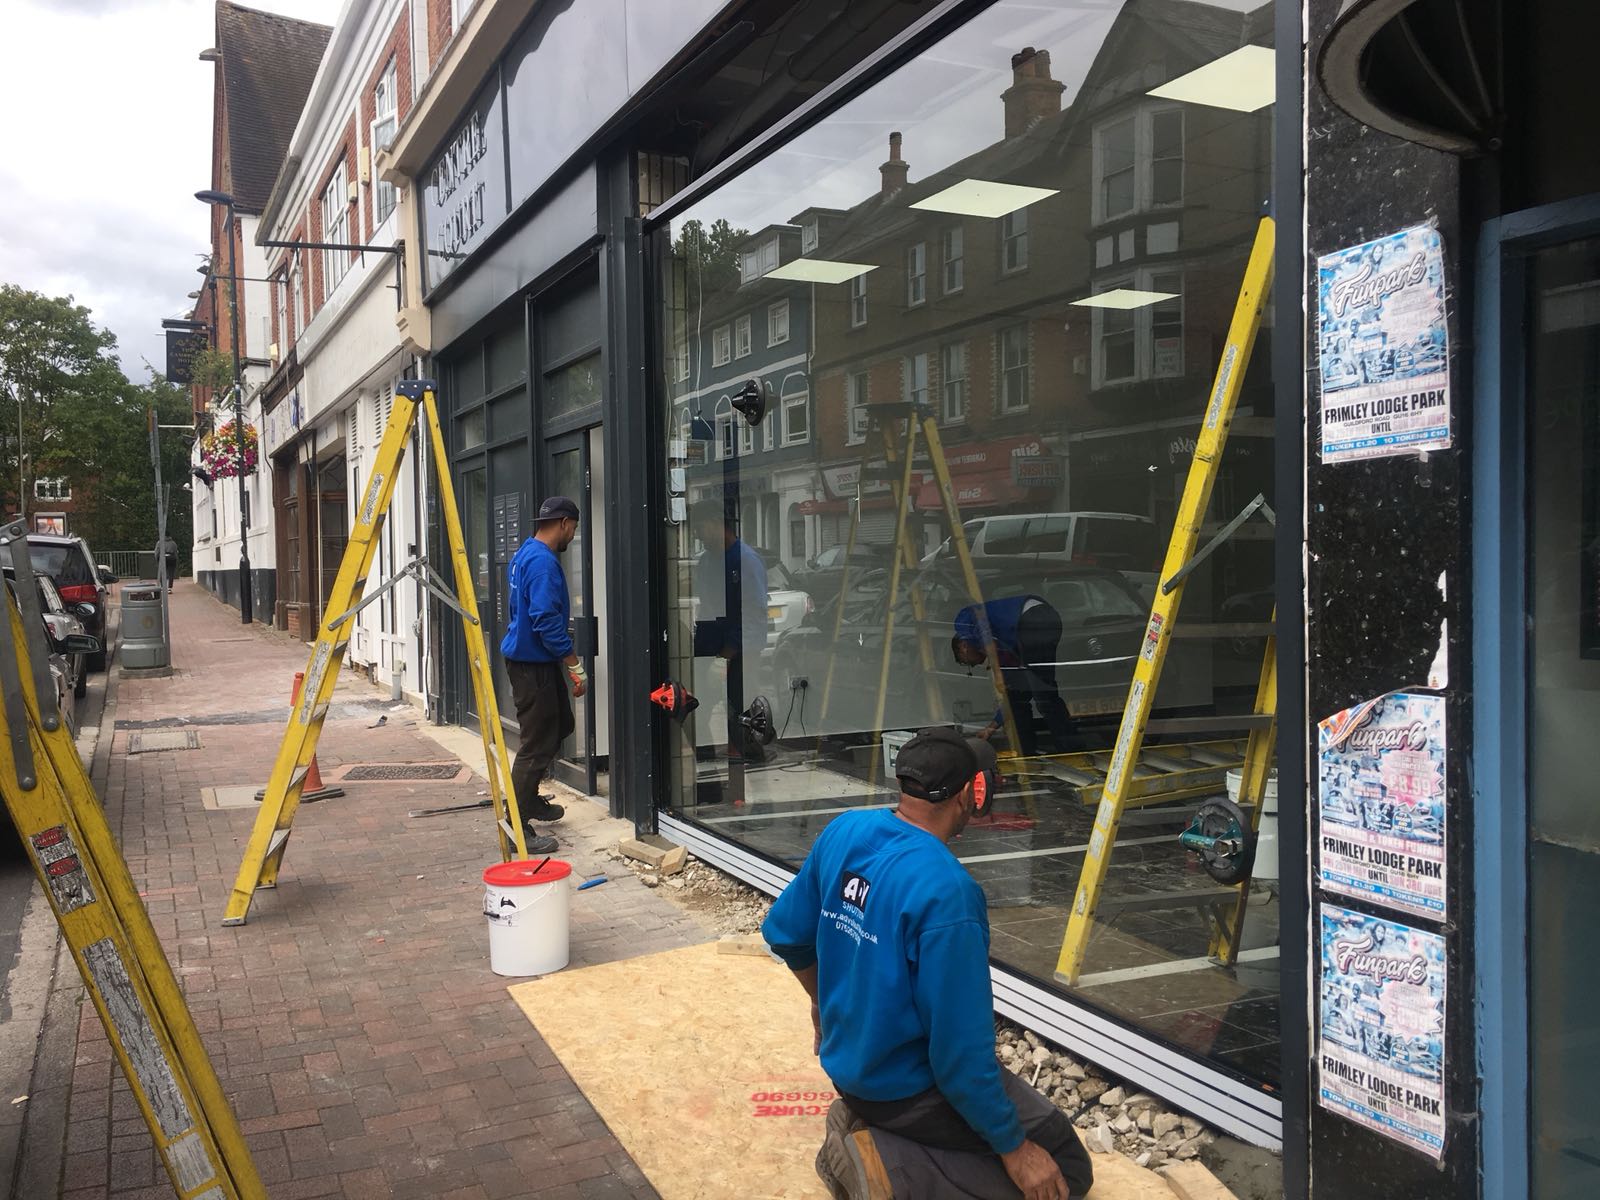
526, 873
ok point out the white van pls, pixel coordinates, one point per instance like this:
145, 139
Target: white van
1125, 542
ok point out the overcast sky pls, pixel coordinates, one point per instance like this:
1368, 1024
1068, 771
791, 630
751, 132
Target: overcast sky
105, 136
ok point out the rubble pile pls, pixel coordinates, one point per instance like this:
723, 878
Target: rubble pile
723, 902
1112, 1118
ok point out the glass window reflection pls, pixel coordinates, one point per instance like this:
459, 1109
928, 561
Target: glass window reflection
1011, 242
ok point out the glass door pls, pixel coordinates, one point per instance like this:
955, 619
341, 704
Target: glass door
1563, 581
570, 475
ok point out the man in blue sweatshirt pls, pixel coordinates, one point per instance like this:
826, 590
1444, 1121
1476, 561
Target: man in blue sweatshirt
1025, 635
890, 937
540, 661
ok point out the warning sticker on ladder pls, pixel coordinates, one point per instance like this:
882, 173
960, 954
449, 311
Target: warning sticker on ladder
1119, 757
1152, 637
138, 1037
63, 869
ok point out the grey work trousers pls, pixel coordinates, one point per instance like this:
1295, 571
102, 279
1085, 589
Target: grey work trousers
931, 1153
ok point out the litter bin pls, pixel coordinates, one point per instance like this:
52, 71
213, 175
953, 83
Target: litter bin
144, 636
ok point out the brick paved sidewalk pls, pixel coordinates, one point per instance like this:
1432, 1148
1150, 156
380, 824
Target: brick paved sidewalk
355, 1024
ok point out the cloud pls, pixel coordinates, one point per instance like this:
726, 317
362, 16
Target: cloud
97, 186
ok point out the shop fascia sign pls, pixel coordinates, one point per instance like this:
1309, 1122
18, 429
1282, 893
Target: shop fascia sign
980, 458
282, 421
464, 186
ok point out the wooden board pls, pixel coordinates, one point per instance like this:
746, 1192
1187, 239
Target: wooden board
1194, 1181
700, 1062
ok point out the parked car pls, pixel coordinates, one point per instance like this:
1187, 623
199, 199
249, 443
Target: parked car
824, 573
1125, 542
787, 605
1102, 619
67, 644
84, 586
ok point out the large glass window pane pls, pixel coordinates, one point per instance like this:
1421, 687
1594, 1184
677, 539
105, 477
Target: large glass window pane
1019, 295
1564, 705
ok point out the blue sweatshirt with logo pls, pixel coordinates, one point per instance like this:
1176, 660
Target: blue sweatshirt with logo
537, 630
899, 933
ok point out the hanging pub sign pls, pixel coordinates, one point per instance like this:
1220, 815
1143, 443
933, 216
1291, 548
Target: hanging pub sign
1382, 349
183, 346
1380, 785
1380, 1027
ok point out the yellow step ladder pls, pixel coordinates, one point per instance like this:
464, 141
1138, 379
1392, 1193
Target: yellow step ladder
105, 924
1122, 773
263, 857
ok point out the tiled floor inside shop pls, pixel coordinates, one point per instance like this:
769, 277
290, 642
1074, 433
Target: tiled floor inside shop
1147, 962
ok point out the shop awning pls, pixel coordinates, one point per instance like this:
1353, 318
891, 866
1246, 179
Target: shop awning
977, 491
1427, 71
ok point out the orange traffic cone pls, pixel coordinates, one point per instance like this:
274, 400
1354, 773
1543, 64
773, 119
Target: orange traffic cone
312, 790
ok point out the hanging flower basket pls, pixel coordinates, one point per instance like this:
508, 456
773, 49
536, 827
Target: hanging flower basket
220, 452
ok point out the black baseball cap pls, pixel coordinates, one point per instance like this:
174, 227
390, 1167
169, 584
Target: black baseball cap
938, 763
556, 507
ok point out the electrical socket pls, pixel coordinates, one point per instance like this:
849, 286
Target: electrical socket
798, 683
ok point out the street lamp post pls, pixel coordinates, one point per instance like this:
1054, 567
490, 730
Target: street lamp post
246, 599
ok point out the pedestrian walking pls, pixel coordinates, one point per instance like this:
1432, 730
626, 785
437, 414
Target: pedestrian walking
167, 549
541, 662
889, 935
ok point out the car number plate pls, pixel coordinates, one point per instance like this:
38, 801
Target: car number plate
774, 611
1095, 708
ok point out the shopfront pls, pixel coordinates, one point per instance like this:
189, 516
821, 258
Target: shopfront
1033, 226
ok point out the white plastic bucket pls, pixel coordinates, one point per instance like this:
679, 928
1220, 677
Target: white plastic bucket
892, 740
1266, 868
527, 907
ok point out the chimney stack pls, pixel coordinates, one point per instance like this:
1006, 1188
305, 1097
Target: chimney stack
896, 170
1033, 94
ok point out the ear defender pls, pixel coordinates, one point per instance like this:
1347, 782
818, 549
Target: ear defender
983, 788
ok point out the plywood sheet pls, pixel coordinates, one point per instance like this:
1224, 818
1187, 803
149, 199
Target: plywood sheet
700, 1062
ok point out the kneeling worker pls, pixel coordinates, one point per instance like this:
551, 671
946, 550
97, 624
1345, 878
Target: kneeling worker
889, 935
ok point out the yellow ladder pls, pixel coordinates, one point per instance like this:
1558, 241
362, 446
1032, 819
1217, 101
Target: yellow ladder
263, 856
102, 919
919, 419
1119, 788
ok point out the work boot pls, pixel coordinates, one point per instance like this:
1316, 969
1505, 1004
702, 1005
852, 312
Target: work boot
540, 843
849, 1164
842, 1118
545, 810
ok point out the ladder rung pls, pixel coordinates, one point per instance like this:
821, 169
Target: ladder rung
1215, 758
1198, 630
275, 844
1208, 724
505, 828
1164, 762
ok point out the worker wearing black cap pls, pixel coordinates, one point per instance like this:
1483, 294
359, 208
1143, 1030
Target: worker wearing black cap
541, 661
890, 937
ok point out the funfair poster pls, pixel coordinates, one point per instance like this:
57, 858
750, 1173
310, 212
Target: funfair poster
1380, 1048
1380, 784
1383, 353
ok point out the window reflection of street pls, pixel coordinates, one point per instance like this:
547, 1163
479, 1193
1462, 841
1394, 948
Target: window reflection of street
1042, 257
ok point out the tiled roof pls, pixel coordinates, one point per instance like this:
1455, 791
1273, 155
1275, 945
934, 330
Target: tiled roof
268, 63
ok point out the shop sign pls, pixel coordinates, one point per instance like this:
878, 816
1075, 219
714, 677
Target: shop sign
840, 482
1380, 1043
1380, 774
464, 186
1036, 471
1382, 349
282, 421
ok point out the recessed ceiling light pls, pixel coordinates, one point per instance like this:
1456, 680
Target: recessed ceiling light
1124, 298
983, 198
819, 270
1242, 81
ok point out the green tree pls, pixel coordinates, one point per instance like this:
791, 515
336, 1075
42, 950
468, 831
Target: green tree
83, 421
710, 255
